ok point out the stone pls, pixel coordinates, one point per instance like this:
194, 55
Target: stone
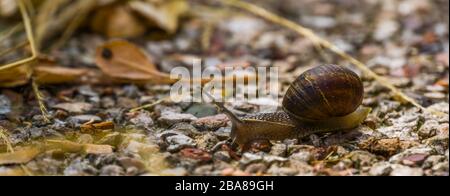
186, 129
127, 163
137, 147
112, 170
207, 141
179, 171
380, 169
282, 171
222, 156
107, 102
279, 150
398, 158
142, 120
202, 110
248, 158
178, 142
223, 133
320, 22
75, 108
385, 29
362, 158
243, 29
270, 159
79, 167
401, 170
87, 90
211, 123
303, 168
440, 169
428, 129
5, 105
126, 103
414, 159
435, 95
169, 118
81, 119
403, 127
303, 156
439, 143
432, 160
256, 168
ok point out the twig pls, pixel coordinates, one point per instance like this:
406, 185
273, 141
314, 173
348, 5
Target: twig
9, 50
206, 35
30, 37
40, 99
308, 33
30, 7
44, 19
50, 21
9, 148
148, 105
7, 33
73, 26
4, 137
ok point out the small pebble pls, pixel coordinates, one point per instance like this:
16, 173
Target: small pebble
142, 120
75, 108
5, 105
178, 142
401, 170
112, 170
81, 119
170, 118
179, 171
380, 169
211, 123
435, 95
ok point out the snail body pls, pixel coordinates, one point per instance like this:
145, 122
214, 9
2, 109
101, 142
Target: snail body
324, 99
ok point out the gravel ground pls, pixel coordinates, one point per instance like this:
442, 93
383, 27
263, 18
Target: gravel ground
405, 41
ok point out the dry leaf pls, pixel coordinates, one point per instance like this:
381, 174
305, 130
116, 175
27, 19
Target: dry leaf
123, 60
165, 15
19, 157
47, 74
16, 171
72, 147
89, 127
117, 21
15, 76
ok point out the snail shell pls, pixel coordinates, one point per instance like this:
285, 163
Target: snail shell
324, 92
324, 99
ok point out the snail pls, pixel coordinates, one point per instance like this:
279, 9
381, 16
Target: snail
323, 99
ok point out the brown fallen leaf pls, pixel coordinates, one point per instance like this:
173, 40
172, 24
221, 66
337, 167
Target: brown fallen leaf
19, 157
125, 62
72, 147
48, 74
89, 127
16, 171
15, 76
165, 14
117, 21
